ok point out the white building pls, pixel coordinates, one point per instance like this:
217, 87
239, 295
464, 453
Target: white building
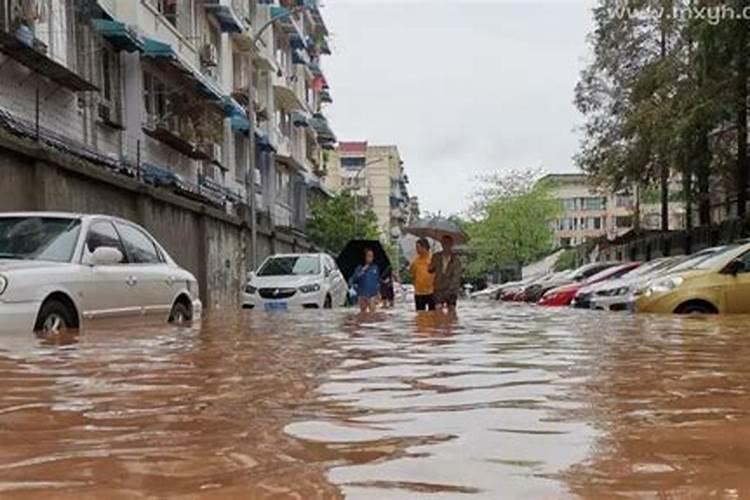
170, 91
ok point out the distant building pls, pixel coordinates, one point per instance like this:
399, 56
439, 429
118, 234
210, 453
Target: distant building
376, 176
414, 211
589, 212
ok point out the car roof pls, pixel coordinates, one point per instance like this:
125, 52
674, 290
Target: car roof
318, 254
66, 215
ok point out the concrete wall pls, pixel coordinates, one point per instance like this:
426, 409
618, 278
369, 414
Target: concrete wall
214, 246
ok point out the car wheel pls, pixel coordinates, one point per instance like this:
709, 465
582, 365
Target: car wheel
696, 308
328, 304
180, 314
54, 317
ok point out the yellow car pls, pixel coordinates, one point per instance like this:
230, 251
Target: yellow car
719, 284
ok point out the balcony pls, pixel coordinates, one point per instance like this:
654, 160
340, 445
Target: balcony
19, 41
284, 86
172, 131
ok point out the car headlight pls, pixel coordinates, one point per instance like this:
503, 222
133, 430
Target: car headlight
664, 285
310, 288
621, 291
250, 289
3, 284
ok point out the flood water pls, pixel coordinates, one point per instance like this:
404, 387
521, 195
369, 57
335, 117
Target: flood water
502, 402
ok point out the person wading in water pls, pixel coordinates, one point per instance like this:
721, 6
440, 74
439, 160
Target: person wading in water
447, 269
424, 281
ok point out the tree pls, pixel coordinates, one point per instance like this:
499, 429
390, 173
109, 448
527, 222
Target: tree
337, 220
515, 229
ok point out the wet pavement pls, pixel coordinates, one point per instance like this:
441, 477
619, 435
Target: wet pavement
502, 402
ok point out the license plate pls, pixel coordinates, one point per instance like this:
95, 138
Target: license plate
276, 306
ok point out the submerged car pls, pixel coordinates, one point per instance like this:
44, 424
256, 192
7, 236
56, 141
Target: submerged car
613, 295
310, 281
535, 292
717, 284
564, 295
59, 270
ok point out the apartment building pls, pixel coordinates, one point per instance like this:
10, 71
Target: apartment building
375, 175
217, 100
588, 212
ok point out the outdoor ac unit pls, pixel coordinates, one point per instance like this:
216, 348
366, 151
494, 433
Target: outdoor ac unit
105, 112
257, 176
210, 55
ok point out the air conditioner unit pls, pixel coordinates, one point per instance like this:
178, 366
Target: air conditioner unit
105, 112
258, 177
210, 55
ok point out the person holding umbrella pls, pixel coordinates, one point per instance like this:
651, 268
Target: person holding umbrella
448, 270
366, 280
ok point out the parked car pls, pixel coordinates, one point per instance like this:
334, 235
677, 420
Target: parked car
612, 295
59, 270
488, 293
536, 292
717, 284
511, 290
310, 281
564, 295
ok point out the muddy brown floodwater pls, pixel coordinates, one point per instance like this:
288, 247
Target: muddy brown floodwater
502, 402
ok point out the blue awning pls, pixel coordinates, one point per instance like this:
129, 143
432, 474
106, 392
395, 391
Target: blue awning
154, 49
119, 35
315, 68
296, 41
228, 20
300, 57
320, 124
240, 124
299, 119
263, 143
233, 108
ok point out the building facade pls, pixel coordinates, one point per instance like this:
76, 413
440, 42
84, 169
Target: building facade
375, 175
219, 101
589, 213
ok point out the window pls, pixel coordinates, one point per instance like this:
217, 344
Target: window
625, 201
565, 242
110, 97
240, 156
569, 204
291, 266
597, 223
283, 193
354, 163
168, 9
139, 247
154, 95
623, 222
102, 234
36, 238
594, 203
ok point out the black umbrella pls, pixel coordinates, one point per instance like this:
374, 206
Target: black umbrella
353, 255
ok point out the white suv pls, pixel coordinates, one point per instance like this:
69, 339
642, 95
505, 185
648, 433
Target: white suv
59, 270
310, 281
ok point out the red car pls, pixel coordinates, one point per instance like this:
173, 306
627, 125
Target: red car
563, 296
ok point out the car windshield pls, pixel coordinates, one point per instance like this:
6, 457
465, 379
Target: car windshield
719, 259
38, 238
700, 258
291, 266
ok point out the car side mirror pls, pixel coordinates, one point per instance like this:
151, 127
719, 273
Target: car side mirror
106, 256
735, 267
250, 276
328, 273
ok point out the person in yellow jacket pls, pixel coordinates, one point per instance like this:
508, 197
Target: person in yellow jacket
424, 280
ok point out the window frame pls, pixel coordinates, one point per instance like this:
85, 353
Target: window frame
85, 250
161, 260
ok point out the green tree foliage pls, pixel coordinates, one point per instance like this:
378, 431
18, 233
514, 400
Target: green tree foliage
567, 260
666, 95
335, 221
514, 230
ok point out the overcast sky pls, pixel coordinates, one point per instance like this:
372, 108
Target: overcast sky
462, 87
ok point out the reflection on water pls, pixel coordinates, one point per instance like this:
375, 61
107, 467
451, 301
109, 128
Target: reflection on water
499, 402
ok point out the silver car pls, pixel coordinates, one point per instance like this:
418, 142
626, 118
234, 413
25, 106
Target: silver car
60, 270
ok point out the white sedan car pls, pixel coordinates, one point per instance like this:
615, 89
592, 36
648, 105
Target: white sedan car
310, 281
58, 271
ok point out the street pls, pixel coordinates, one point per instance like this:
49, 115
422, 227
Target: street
505, 401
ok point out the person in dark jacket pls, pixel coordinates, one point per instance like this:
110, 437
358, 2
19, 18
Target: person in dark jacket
448, 271
366, 280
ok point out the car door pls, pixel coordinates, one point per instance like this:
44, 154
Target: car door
155, 278
108, 290
338, 284
737, 289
